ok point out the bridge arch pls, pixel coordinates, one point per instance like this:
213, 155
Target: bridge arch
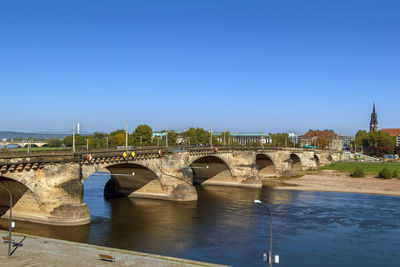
266, 166
26, 202
13, 146
317, 160
32, 145
296, 162
128, 178
211, 169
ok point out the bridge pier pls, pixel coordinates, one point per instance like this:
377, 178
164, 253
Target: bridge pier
52, 194
230, 168
160, 178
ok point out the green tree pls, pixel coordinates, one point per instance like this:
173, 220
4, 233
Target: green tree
361, 139
379, 140
199, 136
80, 141
120, 131
172, 138
97, 140
191, 135
117, 140
142, 135
280, 139
54, 142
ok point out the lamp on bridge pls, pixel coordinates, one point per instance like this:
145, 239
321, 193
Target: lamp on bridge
268, 256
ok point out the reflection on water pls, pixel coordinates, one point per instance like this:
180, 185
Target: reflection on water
224, 226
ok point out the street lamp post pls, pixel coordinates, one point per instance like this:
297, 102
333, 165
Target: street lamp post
126, 137
10, 224
276, 260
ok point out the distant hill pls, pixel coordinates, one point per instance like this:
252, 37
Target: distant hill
11, 135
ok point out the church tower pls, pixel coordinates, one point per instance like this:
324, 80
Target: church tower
373, 125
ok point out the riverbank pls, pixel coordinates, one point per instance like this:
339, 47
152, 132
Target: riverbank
334, 181
40, 251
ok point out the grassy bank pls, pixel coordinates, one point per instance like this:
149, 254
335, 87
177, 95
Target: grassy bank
367, 167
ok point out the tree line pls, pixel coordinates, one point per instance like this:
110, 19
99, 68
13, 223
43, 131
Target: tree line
143, 136
377, 144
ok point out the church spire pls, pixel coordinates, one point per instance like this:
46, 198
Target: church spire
373, 125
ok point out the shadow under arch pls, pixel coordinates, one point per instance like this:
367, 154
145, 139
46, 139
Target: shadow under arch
25, 203
32, 145
211, 170
266, 166
127, 178
296, 162
317, 161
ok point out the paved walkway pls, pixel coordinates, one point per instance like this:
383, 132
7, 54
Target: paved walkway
39, 251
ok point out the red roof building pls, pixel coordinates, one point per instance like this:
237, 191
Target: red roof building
392, 132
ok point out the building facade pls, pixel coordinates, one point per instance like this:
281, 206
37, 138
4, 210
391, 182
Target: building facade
244, 138
347, 140
326, 139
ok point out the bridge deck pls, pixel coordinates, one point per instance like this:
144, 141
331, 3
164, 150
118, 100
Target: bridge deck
48, 156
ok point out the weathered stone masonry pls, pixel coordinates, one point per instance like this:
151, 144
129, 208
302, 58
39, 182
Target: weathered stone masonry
49, 189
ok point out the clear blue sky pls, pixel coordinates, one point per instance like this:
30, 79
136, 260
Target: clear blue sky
272, 65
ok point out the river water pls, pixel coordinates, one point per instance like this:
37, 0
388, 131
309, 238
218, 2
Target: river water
224, 226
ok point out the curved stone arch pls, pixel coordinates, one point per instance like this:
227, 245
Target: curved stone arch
28, 184
297, 164
130, 178
104, 167
32, 145
317, 159
270, 170
192, 159
133, 164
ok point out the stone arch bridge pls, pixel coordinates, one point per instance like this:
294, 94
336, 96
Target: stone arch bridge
48, 188
5, 144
